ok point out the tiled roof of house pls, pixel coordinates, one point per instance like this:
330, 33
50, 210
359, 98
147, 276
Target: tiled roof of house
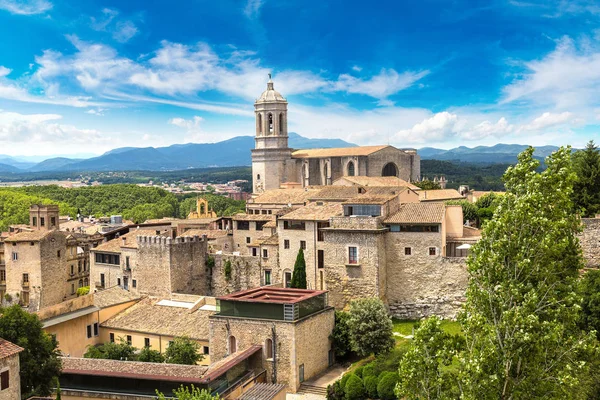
270, 224
115, 245
315, 212
32, 236
113, 296
418, 213
283, 196
192, 221
8, 349
369, 198
133, 369
439, 195
338, 152
263, 391
374, 181
271, 241
148, 316
253, 217
336, 193
210, 233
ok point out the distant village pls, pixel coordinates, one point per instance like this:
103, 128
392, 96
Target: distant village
363, 227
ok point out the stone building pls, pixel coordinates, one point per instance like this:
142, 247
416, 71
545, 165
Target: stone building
292, 326
10, 377
202, 210
247, 232
274, 163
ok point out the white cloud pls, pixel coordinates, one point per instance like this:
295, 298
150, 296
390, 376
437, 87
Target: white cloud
438, 127
252, 9
356, 68
380, 86
96, 111
121, 31
547, 120
191, 125
487, 129
568, 77
124, 31
4, 71
25, 7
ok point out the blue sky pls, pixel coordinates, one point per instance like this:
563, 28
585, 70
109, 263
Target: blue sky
81, 77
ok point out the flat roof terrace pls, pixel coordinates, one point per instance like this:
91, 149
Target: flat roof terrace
273, 295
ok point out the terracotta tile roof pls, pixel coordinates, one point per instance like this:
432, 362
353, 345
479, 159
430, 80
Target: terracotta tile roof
210, 233
338, 152
315, 212
115, 245
113, 296
133, 369
271, 241
263, 391
439, 195
253, 217
418, 213
369, 198
192, 221
220, 367
32, 236
270, 224
283, 196
148, 316
8, 349
374, 181
336, 193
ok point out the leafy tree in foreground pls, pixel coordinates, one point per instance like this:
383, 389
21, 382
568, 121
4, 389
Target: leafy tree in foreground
587, 185
112, 351
340, 336
40, 362
371, 329
426, 184
299, 274
520, 317
424, 372
183, 350
149, 355
187, 393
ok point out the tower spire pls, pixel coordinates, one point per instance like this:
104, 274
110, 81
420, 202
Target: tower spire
270, 83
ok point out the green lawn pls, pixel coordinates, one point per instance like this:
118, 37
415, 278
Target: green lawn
404, 327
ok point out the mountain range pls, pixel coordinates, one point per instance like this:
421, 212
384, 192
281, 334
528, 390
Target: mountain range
236, 152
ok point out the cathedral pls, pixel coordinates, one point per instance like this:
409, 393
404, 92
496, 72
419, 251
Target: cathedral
274, 163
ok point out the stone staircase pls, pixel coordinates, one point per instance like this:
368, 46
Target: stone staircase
312, 390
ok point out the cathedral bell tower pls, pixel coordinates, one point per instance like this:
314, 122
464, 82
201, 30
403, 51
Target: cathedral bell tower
271, 153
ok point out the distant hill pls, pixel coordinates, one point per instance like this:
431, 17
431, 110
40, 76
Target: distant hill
497, 154
8, 168
228, 153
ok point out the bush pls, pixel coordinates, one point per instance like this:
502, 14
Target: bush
344, 380
354, 388
335, 391
227, 270
369, 370
370, 326
387, 384
340, 336
371, 386
387, 362
359, 372
82, 291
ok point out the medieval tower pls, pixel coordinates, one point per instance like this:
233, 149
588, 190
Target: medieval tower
271, 153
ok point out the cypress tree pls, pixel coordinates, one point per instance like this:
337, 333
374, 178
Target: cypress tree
299, 274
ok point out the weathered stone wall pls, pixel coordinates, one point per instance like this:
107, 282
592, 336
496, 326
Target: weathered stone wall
189, 273
14, 383
240, 241
350, 282
313, 344
404, 162
590, 242
419, 284
271, 263
245, 274
287, 257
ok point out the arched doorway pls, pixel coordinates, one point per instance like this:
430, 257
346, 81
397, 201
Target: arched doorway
351, 170
390, 169
269, 349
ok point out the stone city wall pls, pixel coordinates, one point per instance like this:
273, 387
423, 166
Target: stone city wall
590, 242
245, 274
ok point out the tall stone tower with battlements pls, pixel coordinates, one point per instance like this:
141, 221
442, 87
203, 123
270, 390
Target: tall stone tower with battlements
271, 153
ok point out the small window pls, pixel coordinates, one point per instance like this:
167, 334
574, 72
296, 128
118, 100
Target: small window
52, 221
25, 278
286, 244
267, 277
269, 349
258, 177
127, 261
205, 350
265, 253
72, 269
72, 288
58, 253
4, 380
247, 239
146, 342
89, 331
111, 337
321, 259
96, 329
118, 281
407, 251
15, 256
102, 280
303, 244
288, 279
352, 255
134, 283
301, 373
42, 221
432, 251
232, 344
129, 339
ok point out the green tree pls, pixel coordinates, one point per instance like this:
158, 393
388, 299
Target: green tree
120, 350
424, 372
340, 336
40, 362
520, 317
354, 389
149, 355
190, 393
371, 330
586, 192
426, 184
590, 304
386, 386
183, 350
299, 274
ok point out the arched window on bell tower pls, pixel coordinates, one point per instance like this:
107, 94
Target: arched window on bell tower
270, 123
280, 123
259, 128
